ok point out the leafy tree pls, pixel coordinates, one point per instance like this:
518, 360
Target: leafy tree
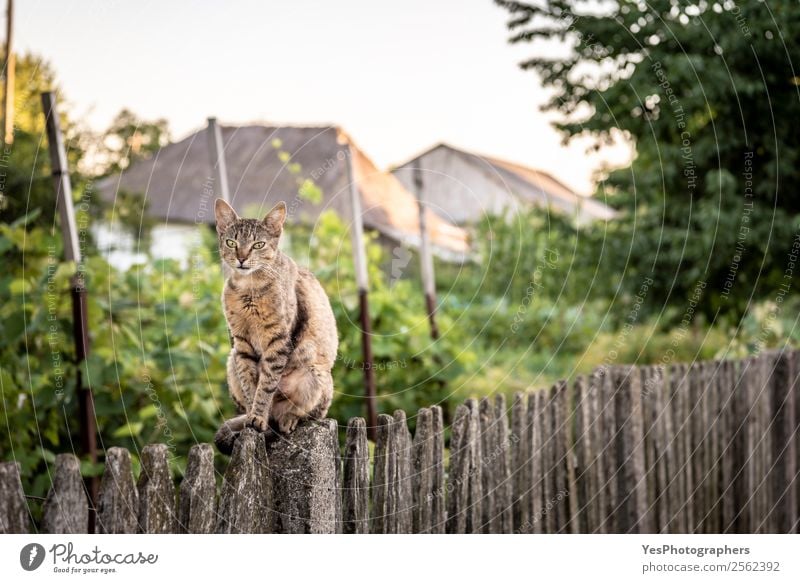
130, 138
25, 165
704, 90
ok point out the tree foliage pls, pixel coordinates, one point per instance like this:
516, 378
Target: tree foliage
704, 91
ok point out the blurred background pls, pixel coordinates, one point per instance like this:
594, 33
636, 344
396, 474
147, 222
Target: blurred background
602, 182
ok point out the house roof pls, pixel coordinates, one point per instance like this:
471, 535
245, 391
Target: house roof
514, 182
266, 164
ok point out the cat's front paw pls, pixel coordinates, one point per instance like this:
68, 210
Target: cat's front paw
257, 422
288, 423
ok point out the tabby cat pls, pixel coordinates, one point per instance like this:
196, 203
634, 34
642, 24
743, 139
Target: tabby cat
282, 328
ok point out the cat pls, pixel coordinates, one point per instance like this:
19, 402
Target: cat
284, 337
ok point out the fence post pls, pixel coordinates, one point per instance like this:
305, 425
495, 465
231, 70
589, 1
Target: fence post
355, 489
305, 473
14, 516
244, 502
197, 504
156, 492
66, 509
118, 500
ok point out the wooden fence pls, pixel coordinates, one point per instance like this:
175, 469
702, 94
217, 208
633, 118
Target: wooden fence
706, 448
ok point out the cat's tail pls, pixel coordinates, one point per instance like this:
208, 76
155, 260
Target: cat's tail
227, 434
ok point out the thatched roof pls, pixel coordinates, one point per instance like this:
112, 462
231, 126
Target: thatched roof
179, 186
463, 187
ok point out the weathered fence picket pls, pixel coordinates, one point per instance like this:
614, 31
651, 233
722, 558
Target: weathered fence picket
197, 507
156, 492
66, 509
355, 490
520, 454
709, 447
244, 499
14, 515
118, 500
464, 483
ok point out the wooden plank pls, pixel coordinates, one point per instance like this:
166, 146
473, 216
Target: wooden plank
695, 436
711, 523
717, 425
118, 500
14, 515
355, 490
403, 474
304, 474
536, 517
740, 520
439, 507
760, 445
156, 492
503, 491
663, 436
651, 452
796, 393
783, 495
381, 519
676, 388
66, 508
245, 497
490, 521
596, 454
559, 502
668, 467
422, 484
197, 506
393, 499
727, 397
582, 451
464, 486
632, 508
520, 455
608, 398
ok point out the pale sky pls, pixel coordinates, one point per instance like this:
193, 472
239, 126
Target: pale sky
398, 77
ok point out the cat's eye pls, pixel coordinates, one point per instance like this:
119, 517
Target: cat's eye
259, 245
230, 243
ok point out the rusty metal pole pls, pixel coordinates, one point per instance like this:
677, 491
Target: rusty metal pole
360, 262
425, 255
72, 252
11, 67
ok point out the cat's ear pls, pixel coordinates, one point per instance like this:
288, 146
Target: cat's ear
275, 218
225, 215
